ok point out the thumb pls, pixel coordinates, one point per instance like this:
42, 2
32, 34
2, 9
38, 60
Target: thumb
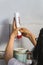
21, 30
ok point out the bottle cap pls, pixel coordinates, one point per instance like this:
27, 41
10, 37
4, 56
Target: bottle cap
20, 36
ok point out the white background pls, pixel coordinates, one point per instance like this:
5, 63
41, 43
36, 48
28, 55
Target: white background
31, 11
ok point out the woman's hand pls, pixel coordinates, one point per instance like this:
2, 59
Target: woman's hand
14, 25
14, 29
14, 33
25, 32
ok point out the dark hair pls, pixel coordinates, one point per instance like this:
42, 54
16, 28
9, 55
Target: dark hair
38, 50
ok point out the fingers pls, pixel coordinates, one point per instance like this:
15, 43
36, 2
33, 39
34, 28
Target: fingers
24, 34
14, 24
21, 30
16, 30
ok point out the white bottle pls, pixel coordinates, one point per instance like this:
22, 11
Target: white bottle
17, 18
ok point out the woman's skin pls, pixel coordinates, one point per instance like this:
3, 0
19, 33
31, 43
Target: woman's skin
10, 45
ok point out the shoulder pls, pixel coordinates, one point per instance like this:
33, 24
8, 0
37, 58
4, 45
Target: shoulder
14, 61
11, 61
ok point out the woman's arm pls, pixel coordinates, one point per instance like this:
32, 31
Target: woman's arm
32, 38
9, 49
